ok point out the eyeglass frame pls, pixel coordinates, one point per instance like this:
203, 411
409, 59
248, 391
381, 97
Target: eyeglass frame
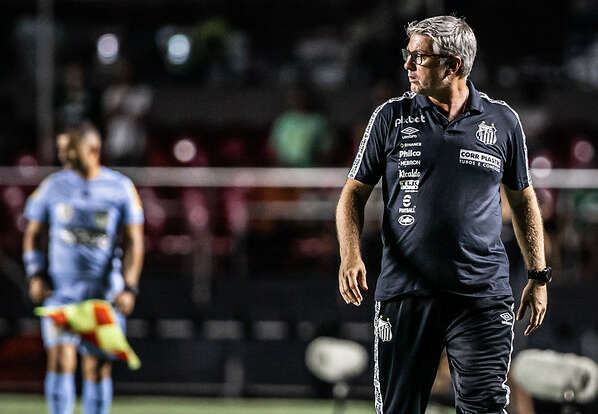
415, 56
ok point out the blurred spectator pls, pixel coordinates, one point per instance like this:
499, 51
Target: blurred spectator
301, 137
74, 101
126, 103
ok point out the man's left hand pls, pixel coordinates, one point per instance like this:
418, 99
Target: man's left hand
124, 302
535, 297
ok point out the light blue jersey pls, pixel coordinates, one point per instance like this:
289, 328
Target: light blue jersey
84, 217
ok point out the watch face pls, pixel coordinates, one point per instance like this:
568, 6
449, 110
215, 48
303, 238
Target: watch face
542, 275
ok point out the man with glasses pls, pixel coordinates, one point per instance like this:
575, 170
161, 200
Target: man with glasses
442, 150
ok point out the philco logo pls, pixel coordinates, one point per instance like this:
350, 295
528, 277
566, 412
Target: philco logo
407, 200
409, 153
410, 120
409, 186
412, 173
406, 220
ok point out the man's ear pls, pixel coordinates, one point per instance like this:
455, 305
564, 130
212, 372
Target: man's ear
454, 64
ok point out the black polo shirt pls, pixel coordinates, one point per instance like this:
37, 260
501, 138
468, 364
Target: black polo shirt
440, 183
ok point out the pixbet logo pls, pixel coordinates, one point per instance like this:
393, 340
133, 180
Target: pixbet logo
410, 120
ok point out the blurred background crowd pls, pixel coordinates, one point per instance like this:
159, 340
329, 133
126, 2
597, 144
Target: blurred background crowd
247, 274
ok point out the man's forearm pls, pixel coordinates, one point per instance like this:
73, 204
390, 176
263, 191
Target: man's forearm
529, 230
132, 264
349, 223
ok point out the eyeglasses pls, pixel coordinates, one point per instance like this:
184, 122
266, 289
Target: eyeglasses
417, 57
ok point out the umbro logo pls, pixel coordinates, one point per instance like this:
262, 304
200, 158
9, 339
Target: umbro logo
507, 318
409, 131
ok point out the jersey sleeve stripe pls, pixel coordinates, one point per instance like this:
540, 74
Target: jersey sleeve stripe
500, 102
366, 135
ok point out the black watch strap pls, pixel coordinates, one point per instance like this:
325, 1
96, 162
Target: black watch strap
544, 275
133, 289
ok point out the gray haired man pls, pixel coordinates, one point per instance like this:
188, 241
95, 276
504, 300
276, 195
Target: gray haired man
442, 151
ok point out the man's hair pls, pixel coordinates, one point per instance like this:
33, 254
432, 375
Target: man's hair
79, 132
451, 36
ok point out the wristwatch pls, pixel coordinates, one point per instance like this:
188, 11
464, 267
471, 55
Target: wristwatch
541, 275
132, 289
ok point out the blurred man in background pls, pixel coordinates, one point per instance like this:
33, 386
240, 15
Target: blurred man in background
83, 209
442, 151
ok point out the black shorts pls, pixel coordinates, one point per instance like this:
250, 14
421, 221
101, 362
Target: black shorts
410, 334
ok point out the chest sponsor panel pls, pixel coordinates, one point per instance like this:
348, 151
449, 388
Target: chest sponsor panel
480, 159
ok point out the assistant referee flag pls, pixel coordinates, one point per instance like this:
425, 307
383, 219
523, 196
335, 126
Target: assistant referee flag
94, 321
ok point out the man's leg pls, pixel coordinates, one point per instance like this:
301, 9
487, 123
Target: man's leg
479, 346
97, 385
59, 385
97, 376
408, 342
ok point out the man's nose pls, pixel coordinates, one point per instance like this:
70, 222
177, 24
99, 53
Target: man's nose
409, 63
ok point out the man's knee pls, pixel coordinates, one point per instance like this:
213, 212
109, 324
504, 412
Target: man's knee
62, 359
95, 369
486, 395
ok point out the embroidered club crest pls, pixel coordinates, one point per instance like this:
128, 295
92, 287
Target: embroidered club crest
64, 212
384, 330
486, 133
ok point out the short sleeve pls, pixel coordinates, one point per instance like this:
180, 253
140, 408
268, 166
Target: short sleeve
37, 204
132, 209
516, 174
368, 165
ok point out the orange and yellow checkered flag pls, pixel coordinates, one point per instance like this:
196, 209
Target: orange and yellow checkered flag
94, 321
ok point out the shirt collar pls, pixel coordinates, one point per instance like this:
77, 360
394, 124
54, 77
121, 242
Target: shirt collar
475, 101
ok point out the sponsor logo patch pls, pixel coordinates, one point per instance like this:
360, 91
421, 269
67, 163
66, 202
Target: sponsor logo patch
407, 200
410, 144
480, 159
412, 173
409, 163
410, 120
406, 220
409, 186
409, 153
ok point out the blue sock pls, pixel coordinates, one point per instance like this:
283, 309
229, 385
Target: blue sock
97, 396
60, 392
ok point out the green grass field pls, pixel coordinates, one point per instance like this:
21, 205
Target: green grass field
34, 404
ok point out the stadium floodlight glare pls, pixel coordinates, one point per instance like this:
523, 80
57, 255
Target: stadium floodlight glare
108, 48
184, 150
542, 165
179, 48
583, 150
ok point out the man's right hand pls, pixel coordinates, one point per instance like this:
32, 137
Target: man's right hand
39, 289
351, 276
